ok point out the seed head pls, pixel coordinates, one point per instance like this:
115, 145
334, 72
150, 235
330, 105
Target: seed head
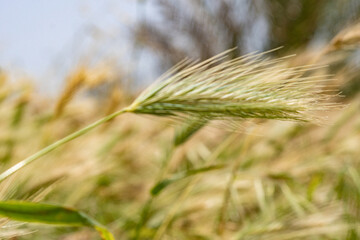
252, 86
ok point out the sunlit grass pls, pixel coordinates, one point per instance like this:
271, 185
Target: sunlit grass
278, 180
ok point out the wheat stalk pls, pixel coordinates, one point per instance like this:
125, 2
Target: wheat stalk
251, 86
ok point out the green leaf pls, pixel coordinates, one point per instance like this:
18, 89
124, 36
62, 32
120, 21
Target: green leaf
161, 185
188, 129
50, 214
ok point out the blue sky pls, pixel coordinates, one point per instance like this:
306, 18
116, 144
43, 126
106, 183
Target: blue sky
34, 34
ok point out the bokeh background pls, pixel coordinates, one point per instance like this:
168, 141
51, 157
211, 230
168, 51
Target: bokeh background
65, 64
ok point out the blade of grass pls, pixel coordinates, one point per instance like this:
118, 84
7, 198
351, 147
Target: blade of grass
188, 129
161, 185
50, 214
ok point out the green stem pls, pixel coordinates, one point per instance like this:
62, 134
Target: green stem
59, 143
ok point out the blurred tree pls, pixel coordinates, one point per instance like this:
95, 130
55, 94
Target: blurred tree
293, 23
197, 29
203, 28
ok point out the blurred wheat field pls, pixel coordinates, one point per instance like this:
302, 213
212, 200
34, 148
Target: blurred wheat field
276, 180
180, 176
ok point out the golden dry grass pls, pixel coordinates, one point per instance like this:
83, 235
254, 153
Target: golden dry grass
276, 180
